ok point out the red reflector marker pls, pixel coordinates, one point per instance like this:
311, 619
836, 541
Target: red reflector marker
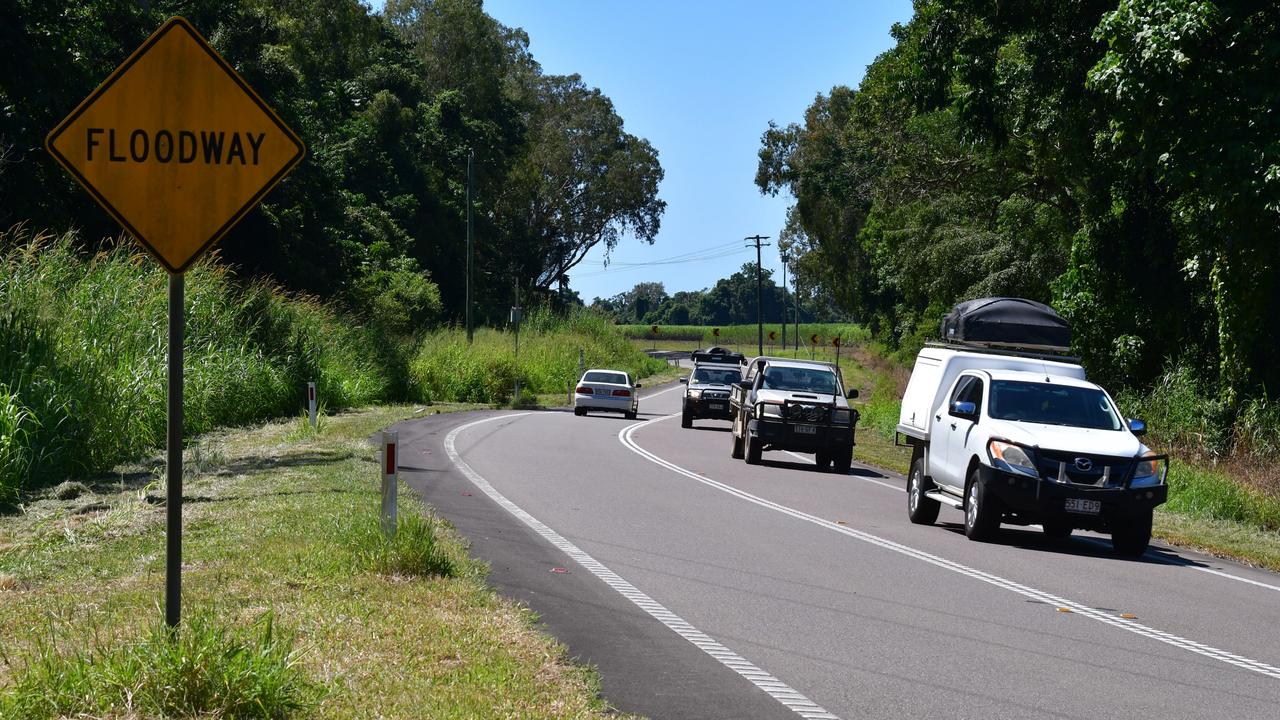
622, 393
391, 459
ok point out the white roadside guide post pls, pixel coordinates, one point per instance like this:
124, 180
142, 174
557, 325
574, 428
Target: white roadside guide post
311, 403
390, 477
177, 148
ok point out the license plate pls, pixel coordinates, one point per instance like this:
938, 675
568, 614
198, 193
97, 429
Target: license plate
807, 429
1086, 507
715, 406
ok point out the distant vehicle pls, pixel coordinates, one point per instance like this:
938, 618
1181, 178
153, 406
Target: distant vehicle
706, 394
795, 405
606, 390
1022, 437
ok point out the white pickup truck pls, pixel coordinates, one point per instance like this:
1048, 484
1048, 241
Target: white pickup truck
1024, 439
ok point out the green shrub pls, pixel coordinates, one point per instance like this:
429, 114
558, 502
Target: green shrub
447, 369
204, 669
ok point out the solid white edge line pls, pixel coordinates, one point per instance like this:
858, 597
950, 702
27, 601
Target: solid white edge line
625, 436
775, 688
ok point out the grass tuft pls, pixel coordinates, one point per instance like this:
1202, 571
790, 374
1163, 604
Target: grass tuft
204, 669
417, 549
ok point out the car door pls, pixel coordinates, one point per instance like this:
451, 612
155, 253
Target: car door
960, 428
940, 436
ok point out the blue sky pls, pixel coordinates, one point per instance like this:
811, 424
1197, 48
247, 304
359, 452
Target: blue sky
701, 79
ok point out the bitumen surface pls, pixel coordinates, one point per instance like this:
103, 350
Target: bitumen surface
702, 587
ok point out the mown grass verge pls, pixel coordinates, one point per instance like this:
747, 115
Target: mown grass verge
294, 603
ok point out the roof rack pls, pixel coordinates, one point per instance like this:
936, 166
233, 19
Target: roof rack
1010, 351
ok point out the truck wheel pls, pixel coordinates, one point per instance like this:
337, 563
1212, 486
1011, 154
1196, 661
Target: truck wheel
1057, 528
686, 419
843, 460
920, 509
981, 511
1132, 539
754, 448
736, 452
822, 459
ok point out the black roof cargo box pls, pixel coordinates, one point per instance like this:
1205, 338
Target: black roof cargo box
1002, 322
718, 355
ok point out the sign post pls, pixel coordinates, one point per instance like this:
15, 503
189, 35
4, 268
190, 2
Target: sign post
178, 148
311, 404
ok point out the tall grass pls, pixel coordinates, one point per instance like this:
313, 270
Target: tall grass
83, 357
203, 669
447, 369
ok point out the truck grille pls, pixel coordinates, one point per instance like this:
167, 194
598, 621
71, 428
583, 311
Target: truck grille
1084, 469
714, 395
808, 413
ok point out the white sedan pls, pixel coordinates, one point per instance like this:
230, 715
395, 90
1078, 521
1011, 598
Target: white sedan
609, 390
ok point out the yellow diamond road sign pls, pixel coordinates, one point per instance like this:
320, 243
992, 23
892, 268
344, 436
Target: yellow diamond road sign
175, 145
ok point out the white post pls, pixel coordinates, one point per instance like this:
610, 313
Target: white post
311, 403
390, 472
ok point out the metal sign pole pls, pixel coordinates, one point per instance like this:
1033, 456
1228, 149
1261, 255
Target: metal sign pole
173, 503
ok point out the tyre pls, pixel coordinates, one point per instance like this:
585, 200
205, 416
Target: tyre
843, 461
736, 452
981, 511
686, 419
1132, 539
920, 509
579, 411
630, 415
754, 449
1057, 528
822, 459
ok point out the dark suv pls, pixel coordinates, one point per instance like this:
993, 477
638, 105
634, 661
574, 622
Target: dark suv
706, 395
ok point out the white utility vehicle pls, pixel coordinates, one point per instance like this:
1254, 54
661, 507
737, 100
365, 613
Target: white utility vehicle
1025, 438
796, 406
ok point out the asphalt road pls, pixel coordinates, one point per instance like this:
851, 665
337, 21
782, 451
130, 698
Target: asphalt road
702, 587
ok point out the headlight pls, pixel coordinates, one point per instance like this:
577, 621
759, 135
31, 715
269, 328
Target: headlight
1011, 458
695, 394
840, 417
1148, 471
770, 410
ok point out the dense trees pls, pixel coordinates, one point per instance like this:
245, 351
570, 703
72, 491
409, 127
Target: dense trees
1117, 159
730, 301
390, 107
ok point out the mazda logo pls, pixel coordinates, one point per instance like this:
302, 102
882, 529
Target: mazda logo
1084, 464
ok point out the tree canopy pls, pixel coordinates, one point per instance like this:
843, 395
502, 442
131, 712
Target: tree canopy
390, 105
1116, 159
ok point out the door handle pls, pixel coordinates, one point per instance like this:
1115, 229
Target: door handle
938, 418
953, 426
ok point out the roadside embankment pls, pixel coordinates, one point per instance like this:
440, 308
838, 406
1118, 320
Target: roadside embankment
294, 604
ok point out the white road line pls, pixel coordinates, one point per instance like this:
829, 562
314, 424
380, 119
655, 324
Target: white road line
625, 436
778, 690
1098, 541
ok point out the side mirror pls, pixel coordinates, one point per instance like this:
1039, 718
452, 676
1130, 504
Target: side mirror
1137, 427
964, 409
744, 384
853, 393
684, 380
637, 386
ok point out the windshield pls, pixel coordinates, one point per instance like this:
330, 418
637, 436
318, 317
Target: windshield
606, 377
1053, 405
800, 380
723, 376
